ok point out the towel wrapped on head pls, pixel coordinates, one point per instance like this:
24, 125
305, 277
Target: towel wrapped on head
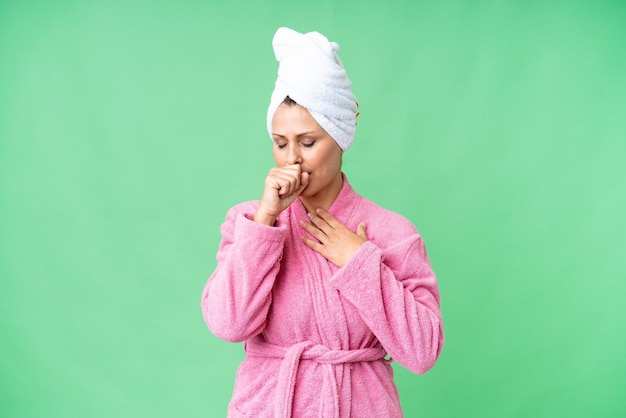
312, 75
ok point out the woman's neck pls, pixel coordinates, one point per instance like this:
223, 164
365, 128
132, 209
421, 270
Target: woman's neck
325, 197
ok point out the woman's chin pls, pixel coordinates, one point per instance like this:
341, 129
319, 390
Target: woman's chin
305, 192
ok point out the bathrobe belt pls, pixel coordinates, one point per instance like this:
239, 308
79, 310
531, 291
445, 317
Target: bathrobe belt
307, 350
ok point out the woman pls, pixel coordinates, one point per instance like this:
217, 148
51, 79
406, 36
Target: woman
320, 283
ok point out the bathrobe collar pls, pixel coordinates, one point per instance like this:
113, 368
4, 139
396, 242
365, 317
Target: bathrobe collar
342, 208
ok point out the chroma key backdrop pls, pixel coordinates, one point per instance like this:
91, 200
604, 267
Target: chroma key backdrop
128, 128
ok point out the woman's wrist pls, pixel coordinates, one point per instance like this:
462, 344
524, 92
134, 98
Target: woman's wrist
262, 217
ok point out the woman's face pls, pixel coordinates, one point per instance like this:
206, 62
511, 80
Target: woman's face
299, 139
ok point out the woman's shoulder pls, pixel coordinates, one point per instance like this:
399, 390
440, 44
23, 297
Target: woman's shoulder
379, 219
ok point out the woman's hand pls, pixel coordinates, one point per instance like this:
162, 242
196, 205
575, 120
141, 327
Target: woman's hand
282, 187
335, 241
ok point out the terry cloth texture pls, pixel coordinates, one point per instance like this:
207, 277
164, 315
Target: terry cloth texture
311, 73
316, 335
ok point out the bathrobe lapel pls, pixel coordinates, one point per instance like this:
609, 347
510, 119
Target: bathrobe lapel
327, 305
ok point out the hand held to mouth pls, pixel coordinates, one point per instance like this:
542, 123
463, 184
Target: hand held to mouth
282, 186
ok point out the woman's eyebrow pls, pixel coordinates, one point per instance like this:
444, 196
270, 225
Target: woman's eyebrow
297, 136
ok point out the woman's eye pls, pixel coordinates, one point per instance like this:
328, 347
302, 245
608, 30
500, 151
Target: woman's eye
281, 146
308, 144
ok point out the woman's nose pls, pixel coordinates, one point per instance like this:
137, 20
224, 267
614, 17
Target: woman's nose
293, 155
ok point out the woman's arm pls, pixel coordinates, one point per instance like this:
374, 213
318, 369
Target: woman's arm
396, 295
237, 296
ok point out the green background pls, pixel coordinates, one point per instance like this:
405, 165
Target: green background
128, 128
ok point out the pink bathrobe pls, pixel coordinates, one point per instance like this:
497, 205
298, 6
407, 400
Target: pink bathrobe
317, 337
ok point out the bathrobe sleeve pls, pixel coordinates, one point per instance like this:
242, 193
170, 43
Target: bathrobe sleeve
395, 292
237, 296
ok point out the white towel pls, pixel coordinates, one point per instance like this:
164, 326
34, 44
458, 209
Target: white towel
311, 74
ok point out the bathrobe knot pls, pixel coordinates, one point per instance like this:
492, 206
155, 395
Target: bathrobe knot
308, 350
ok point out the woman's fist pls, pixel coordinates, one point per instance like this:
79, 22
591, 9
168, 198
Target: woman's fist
282, 186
